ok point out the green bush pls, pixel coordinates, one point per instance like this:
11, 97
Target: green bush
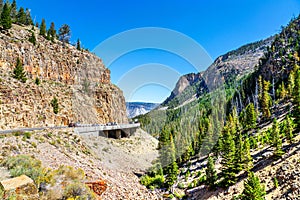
78, 191
156, 181
275, 182
23, 164
54, 104
37, 81
70, 173
27, 135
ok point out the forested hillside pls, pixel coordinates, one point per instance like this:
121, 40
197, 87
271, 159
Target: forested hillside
239, 128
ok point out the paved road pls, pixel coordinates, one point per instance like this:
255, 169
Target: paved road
79, 129
31, 129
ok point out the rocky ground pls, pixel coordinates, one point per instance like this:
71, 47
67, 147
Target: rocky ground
108, 159
286, 170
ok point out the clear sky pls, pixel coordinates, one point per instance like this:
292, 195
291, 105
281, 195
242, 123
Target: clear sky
217, 25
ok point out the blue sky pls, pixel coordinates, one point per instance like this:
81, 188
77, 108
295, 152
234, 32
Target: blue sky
218, 26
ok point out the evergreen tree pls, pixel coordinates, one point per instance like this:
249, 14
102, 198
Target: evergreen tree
282, 92
5, 17
251, 117
211, 173
78, 46
238, 157
253, 190
1, 5
28, 17
37, 81
54, 104
64, 33
21, 17
172, 168
276, 139
48, 36
18, 72
32, 39
13, 10
43, 28
291, 83
266, 99
228, 158
52, 32
296, 99
247, 158
288, 129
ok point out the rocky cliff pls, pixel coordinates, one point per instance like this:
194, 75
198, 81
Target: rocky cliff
226, 68
78, 79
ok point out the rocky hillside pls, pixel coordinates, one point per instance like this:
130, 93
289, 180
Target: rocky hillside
114, 161
226, 68
78, 79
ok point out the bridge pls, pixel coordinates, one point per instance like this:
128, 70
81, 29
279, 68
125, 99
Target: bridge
109, 131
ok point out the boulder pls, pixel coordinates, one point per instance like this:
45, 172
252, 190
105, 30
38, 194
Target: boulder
22, 187
97, 186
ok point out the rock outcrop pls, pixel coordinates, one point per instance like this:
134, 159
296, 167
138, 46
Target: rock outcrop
225, 69
22, 187
78, 79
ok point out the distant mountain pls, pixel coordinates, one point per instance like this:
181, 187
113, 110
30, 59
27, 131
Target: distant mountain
228, 67
139, 108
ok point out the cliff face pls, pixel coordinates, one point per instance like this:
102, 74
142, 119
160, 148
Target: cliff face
78, 79
226, 68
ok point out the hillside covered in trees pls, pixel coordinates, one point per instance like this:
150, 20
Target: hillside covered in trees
232, 133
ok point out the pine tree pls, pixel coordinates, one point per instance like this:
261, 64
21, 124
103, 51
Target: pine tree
52, 32
228, 158
43, 28
247, 158
296, 99
64, 33
253, 190
1, 5
21, 17
172, 168
282, 91
288, 129
276, 139
291, 83
28, 17
238, 157
266, 99
48, 35
54, 104
211, 173
32, 39
78, 46
13, 10
18, 72
251, 117
5, 17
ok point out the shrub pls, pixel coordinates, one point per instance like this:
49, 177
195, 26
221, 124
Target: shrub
32, 39
78, 191
37, 81
23, 164
181, 186
156, 181
70, 173
54, 104
27, 135
275, 182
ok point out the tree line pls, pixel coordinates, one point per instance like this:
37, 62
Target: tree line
10, 14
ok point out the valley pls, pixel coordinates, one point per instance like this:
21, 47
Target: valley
230, 131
